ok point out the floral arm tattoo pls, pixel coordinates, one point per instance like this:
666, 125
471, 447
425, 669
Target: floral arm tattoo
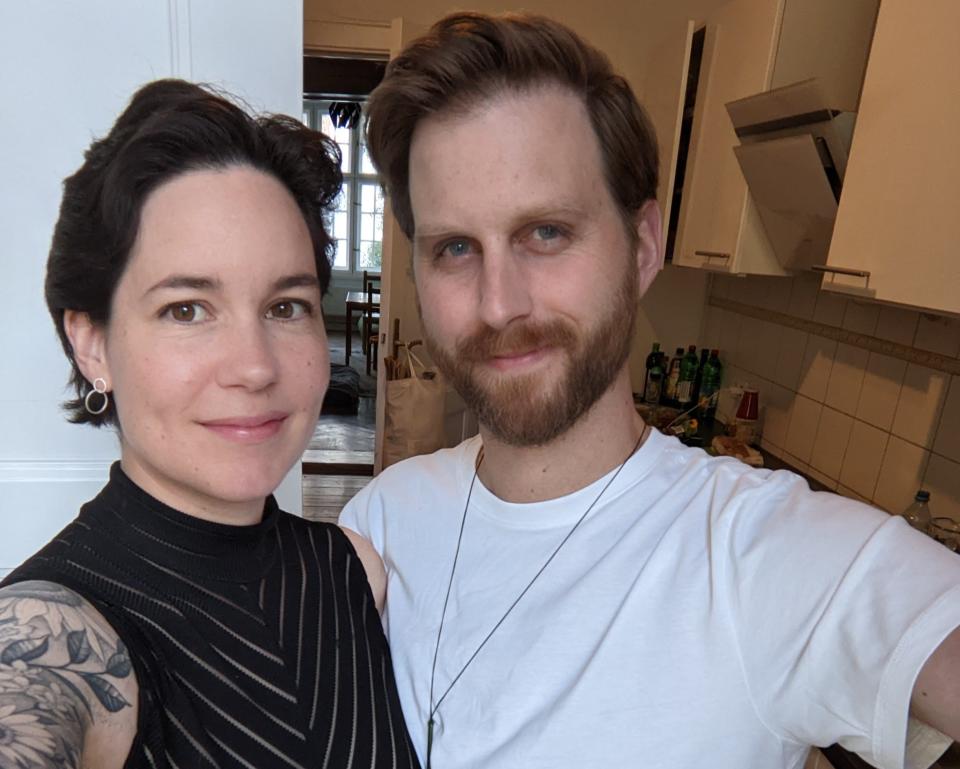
58, 660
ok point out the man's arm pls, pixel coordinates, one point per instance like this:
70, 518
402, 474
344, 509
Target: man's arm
936, 694
64, 674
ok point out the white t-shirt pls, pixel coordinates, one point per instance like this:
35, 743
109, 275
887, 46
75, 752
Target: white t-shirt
704, 614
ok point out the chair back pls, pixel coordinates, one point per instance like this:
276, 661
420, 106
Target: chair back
371, 284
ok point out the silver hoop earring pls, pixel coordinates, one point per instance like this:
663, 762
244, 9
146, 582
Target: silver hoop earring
100, 388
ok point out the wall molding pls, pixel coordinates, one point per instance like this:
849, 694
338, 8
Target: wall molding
54, 470
853, 338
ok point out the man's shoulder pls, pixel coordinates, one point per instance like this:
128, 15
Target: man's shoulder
64, 673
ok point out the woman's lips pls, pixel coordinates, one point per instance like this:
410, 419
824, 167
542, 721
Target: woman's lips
253, 429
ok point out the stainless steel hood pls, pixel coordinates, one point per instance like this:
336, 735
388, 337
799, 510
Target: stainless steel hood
793, 153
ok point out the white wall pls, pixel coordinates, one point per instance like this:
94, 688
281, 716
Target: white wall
69, 68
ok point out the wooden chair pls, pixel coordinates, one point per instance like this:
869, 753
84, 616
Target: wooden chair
370, 327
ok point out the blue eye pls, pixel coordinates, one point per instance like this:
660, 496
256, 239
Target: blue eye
547, 232
456, 248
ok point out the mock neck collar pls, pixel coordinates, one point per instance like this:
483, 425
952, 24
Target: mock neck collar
180, 542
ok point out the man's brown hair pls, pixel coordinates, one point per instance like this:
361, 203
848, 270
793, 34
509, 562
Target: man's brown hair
466, 58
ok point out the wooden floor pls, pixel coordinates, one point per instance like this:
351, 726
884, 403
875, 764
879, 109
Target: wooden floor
339, 460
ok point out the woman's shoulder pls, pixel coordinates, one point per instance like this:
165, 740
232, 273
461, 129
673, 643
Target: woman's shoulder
67, 686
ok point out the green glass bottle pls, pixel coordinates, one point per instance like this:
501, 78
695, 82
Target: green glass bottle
653, 384
688, 377
669, 396
710, 388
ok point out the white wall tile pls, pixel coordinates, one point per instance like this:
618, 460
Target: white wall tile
947, 441
881, 390
776, 403
830, 483
793, 343
848, 492
729, 334
815, 370
897, 325
720, 285
802, 432
830, 309
861, 464
747, 350
795, 462
942, 480
938, 334
901, 474
713, 320
803, 295
921, 401
846, 378
833, 435
861, 317
767, 344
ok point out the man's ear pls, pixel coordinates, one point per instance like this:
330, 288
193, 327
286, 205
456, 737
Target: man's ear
649, 254
89, 343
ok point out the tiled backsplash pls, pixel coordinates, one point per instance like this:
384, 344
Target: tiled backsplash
868, 424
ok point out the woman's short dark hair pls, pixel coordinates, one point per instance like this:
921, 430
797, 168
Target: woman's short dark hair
169, 128
467, 58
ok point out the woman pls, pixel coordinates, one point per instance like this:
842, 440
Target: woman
182, 620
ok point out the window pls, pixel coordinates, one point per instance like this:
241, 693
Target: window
358, 219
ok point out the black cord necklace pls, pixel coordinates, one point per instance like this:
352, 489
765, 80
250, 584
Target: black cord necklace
443, 614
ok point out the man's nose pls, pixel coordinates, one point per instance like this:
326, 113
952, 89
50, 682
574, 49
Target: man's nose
504, 287
248, 358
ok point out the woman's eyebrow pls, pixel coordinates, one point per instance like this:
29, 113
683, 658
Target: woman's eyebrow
302, 280
195, 282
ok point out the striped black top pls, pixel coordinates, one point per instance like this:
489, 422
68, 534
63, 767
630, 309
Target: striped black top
255, 646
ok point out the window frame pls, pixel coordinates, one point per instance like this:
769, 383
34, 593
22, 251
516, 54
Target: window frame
314, 108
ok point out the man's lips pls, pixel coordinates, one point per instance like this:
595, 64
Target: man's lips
506, 361
247, 429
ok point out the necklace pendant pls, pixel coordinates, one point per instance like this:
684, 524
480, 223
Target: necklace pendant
429, 740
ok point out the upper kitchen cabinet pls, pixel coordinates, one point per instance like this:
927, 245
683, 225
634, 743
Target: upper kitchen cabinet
752, 46
898, 227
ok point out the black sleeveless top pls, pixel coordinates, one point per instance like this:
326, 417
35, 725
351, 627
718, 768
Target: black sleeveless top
254, 646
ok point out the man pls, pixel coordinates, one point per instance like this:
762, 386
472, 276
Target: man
571, 589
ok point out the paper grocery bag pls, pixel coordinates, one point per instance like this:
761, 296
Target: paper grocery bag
414, 418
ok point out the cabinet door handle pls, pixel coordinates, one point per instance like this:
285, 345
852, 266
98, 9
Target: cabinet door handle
712, 254
841, 270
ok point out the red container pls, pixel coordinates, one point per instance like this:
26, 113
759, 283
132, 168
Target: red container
749, 406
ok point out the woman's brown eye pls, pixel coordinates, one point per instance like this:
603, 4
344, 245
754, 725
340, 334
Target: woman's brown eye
183, 312
283, 310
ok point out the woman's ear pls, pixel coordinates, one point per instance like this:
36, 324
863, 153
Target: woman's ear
89, 343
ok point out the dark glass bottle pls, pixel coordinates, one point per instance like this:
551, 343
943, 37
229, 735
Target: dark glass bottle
710, 387
669, 397
688, 376
653, 383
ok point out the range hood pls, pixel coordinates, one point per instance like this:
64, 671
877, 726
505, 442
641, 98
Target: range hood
793, 153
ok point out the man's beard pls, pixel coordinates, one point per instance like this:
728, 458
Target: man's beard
526, 410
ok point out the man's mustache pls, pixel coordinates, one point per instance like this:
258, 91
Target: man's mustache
517, 337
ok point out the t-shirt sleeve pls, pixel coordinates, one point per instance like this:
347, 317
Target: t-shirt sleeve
835, 606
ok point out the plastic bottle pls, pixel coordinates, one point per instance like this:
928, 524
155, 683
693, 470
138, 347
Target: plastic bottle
918, 514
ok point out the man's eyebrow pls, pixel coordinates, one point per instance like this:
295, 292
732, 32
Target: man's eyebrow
563, 210
194, 282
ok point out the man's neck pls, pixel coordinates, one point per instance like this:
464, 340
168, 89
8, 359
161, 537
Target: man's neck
599, 441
